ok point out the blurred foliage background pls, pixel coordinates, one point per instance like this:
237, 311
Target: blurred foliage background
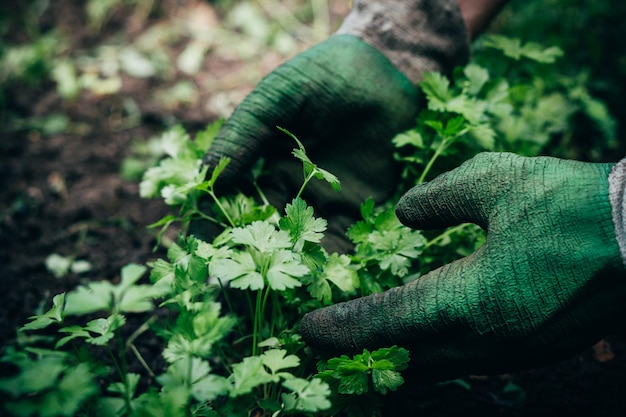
590, 33
193, 61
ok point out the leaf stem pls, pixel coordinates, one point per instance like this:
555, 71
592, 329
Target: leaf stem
304, 184
221, 207
229, 304
429, 165
446, 233
256, 322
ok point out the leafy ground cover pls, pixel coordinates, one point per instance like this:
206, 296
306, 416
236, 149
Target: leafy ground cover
70, 132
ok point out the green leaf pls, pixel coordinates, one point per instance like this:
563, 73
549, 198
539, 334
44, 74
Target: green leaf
174, 141
221, 165
277, 359
411, 137
262, 236
96, 296
104, 296
248, 374
320, 289
353, 383
353, 374
29, 380
309, 167
48, 386
137, 299
284, 268
512, 47
54, 315
306, 396
477, 77
128, 388
394, 248
484, 135
194, 373
244, 210
130, 274
58, 265
386, 380
175, 177
329, 177
338, 271
199, 327
437, 89
205, 137
301, 225
103, 328
240, 270
398, 356
541, 54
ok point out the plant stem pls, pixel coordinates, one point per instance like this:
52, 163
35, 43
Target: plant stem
141, 360
276, 313
445, 142
207, 217
130, 345
429, 165
446, 233
264, 304
261, 194
256, 322
306, 181
219, 205
121, 370
230, 305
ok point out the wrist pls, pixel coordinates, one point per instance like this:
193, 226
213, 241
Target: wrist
478, 14
416, 35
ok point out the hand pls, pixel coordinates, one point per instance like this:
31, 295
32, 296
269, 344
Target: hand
345, 100
548, 282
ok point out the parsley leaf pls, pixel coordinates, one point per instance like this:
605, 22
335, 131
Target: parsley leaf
195, 373
277, 359
262, 236
54, 315
353, 374
248, 374
284, 267
337, 271
309, 396
513, 48
301, 225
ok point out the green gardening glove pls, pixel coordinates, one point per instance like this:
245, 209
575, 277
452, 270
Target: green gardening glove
345, 99
548, 283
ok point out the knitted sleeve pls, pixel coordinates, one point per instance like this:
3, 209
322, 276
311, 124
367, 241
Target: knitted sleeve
415, 35
617, 192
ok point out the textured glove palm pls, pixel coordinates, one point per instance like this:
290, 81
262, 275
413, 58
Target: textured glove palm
548, 282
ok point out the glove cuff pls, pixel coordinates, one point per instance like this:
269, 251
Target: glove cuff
617, 196
416, 35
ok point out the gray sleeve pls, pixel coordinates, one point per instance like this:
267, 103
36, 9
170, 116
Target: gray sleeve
415, 35
617, 193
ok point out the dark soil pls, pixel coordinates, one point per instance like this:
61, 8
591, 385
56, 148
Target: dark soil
64, 194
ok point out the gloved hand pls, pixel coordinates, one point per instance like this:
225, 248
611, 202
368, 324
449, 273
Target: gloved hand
549, 281
345, 99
